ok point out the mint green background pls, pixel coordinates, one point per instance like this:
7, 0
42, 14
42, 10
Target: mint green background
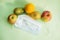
49, 30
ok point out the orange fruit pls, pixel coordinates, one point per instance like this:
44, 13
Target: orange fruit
29, 8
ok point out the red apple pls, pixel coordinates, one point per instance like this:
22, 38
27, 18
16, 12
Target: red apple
46, 16
12, 18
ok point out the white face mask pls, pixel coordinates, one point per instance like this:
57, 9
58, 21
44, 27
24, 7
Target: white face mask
26, 23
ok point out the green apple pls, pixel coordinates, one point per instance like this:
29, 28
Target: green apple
18, 11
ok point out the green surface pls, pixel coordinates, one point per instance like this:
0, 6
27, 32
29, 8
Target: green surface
49, 31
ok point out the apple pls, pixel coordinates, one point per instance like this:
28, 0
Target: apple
29, 8
18, 11
35, 15
12, 18
46, 16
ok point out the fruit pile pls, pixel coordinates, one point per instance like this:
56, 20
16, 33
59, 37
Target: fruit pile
30, 11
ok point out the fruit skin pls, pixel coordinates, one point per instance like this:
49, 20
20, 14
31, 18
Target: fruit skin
29, 8
35, 15
12, 18
46, 16
18, 11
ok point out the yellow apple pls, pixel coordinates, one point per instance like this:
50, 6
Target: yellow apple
35, 15
12, 18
